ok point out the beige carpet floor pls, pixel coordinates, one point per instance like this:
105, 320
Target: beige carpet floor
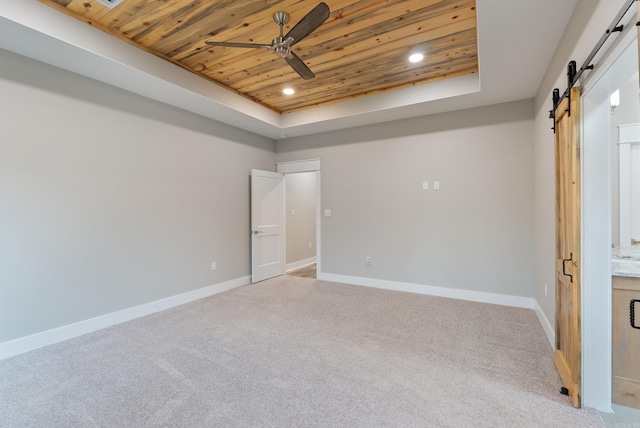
296, 352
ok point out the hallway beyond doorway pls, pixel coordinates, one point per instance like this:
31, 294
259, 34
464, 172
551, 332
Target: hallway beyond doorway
308, 271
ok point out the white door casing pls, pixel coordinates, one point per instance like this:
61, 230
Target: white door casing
267, 225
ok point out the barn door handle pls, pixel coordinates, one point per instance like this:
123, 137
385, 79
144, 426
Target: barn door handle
564, 267
632, 313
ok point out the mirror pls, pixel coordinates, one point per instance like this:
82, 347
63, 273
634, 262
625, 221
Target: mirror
625, 167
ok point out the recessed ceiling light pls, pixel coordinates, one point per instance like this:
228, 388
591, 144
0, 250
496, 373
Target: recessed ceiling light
288, 91
416, 57
111, 3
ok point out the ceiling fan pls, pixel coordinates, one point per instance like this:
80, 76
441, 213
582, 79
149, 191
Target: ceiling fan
282, 45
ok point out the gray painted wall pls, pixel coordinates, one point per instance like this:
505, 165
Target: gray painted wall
475, 233
301, 226
109, 200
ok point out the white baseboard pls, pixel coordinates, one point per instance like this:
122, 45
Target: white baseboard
453, 293
49, 337
300, 264
546, 325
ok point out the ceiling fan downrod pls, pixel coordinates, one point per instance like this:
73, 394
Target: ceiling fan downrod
282, 47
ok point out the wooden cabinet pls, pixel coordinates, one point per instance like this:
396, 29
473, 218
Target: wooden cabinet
626, 341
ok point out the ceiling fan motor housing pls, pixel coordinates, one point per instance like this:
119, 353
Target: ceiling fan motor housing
281, 18
282, 51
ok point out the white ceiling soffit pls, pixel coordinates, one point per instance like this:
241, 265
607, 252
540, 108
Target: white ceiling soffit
514, 52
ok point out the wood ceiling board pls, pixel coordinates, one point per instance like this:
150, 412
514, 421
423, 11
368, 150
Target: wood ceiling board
344, 93
360, 50
362, 44
213, 21
342, 62
394, 74
391, 68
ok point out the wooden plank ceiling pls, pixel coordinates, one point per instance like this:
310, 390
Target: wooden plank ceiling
360, 50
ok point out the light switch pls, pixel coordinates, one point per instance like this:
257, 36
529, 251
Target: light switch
327, 213
436, 185
293, 212
425, 185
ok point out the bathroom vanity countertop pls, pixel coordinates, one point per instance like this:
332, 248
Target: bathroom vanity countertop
625, 262
620, 268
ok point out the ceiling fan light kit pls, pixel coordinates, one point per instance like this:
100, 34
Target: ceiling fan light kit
281, 45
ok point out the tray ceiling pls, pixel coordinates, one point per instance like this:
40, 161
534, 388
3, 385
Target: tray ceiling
360, 50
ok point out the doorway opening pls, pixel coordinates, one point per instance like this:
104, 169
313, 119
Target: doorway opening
600, 212
302, 217
300, 203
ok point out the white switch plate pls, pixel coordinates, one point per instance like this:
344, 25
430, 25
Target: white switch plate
327, 213
436, 185
293, 212
214, 266
425, 185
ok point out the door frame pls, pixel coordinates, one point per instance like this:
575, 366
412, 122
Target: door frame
307, 165
596, 229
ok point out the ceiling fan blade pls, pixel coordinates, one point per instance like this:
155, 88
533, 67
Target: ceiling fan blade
299, 66
310, 22
238, 45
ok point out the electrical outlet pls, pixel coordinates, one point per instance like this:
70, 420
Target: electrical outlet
214, 266
310, 245
368, 261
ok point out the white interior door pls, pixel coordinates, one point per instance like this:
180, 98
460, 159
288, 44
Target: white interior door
267, 225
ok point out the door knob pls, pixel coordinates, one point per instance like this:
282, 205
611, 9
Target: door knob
255, 232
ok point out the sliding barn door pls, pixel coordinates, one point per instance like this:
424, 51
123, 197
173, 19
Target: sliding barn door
568, 341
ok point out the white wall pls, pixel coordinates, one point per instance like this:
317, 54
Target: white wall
590, 20
301, 217
588, 23
475, 233
109, 200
